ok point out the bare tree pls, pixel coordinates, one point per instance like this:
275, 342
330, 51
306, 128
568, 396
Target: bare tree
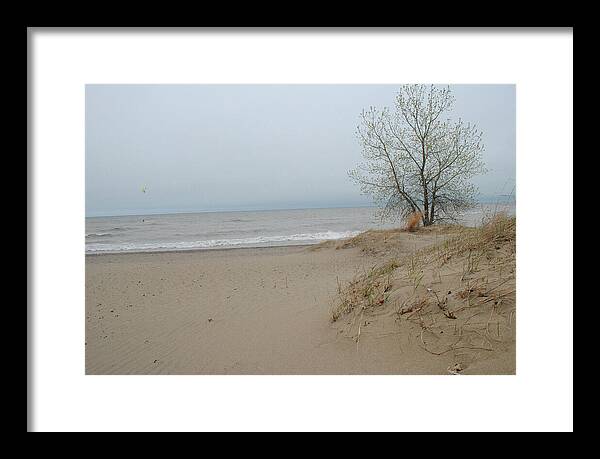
417, 161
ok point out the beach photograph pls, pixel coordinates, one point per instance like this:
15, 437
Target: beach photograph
300, 229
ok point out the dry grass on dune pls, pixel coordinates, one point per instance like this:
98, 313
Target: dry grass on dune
373, 242
498, 232
384, 242
370, 241
457, 294
371, 289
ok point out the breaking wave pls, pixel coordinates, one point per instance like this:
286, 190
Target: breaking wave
258, 241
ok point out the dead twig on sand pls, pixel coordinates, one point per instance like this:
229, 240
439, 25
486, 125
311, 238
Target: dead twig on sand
456, 348
359, 328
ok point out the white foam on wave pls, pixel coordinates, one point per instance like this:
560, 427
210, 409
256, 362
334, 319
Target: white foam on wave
258, 241
97, 234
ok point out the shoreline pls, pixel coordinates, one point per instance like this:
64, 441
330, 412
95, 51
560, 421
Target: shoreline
210, 249
135, 239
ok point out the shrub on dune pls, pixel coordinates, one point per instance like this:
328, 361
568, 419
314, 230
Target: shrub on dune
412, 221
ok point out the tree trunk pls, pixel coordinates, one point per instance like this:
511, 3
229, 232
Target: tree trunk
426, 221
426, 212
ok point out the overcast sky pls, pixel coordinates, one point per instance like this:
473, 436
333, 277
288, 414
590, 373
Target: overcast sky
244, 147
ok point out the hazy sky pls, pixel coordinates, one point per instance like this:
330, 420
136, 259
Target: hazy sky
243, 147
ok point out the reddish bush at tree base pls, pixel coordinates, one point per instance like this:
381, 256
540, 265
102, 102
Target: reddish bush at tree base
412, 221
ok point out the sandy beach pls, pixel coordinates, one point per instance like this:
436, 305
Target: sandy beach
269, 311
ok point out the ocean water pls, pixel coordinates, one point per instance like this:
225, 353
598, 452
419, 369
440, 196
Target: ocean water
213, 230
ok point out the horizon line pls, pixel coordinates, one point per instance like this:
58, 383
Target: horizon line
136, 213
